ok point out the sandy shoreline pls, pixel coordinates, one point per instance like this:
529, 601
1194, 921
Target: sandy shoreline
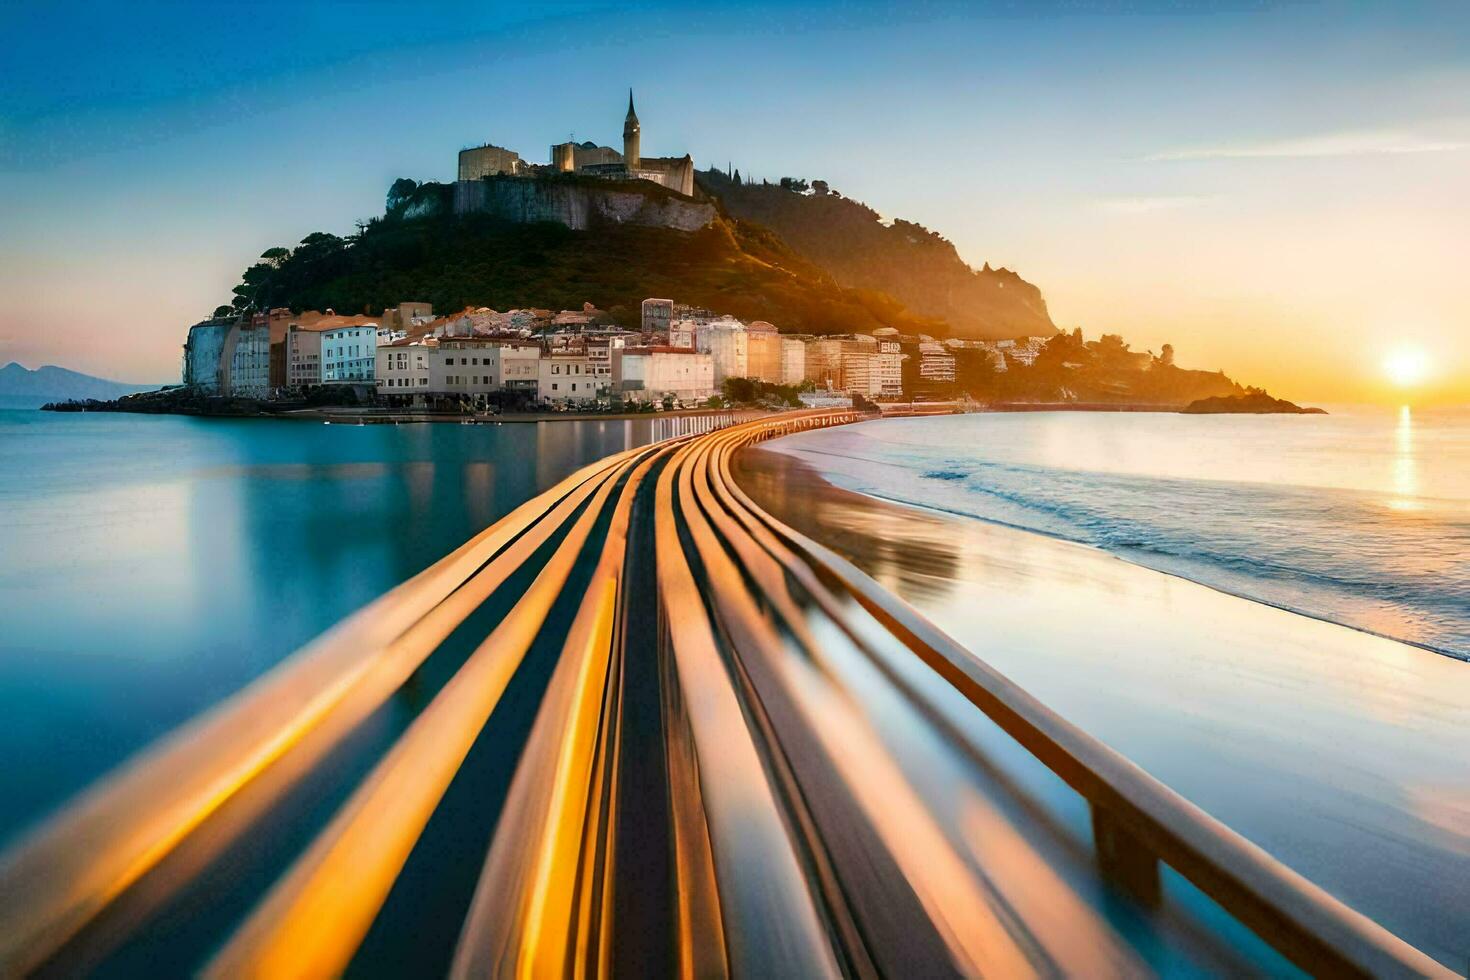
1339, 751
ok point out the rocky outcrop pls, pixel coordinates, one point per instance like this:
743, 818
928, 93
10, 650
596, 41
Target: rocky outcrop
580, 204
1253, 402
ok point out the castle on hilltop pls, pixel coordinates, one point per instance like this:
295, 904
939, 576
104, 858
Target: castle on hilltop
589, 159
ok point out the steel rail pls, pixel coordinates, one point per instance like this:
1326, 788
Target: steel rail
772, 925
69, 869
797, 843
532, 911
1300, 919
958, 902
310, 924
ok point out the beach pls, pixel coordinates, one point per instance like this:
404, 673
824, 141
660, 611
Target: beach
1339, 752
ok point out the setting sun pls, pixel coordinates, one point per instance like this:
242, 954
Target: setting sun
1406, 366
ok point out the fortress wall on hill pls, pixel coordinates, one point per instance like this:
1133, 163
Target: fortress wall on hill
576, 205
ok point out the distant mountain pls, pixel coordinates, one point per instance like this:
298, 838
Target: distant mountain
915, 266
21, 387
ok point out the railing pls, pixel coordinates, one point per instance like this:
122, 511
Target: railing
797, 845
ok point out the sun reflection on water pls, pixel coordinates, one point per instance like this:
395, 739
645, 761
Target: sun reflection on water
1405, 464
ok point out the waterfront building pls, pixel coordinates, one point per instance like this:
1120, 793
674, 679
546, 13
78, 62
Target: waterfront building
887, 366
827, 360
824, 399
793, 361
600, 350
823, 362
515, 366
567, 376
465, 366
349, 354
403, 368
681, 333
246, 359
729, 343
857, 376
303, 356
935, 370
644, 374
763, 352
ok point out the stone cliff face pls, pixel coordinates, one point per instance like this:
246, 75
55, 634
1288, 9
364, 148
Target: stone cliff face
580, 205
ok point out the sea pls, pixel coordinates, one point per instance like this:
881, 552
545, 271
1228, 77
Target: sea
1360, 517
151, 566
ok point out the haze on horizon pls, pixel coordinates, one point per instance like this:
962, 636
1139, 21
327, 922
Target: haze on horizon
1281, 191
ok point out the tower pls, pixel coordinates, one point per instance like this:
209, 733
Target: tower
630, 136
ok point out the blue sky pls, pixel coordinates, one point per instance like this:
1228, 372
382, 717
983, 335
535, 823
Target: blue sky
1279, 190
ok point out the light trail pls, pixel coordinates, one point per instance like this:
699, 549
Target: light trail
798, 841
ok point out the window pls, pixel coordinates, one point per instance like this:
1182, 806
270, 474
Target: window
553, 386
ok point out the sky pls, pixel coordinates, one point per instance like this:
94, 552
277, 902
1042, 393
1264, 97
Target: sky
1278, 190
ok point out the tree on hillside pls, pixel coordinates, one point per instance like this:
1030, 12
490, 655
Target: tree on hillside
276, 257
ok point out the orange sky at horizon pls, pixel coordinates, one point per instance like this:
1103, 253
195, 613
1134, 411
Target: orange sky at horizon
1281, 191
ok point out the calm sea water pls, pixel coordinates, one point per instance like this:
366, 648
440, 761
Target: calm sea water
151, 566
1361, 518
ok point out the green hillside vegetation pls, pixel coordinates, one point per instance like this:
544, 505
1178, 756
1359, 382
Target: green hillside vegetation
452, 262
914, 265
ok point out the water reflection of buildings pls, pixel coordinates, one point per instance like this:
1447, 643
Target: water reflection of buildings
859, 529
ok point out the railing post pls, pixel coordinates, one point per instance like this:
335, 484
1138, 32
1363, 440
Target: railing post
1124, 859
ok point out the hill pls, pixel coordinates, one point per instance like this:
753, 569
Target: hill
912, 264
454, 261
21, 387
1254, 401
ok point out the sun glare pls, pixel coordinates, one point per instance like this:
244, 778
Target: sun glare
1406, 366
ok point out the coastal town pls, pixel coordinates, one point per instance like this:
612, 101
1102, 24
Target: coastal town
477, 359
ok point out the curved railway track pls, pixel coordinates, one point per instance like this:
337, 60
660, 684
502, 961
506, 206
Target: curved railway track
710, 783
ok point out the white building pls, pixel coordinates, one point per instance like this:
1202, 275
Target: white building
403, 368
644, 374
824, 399
567, 376
793, 360
516, 367
601, 351
887, 379
464, 367
681, 333
936, 365
246, 360
728, 342
349, 354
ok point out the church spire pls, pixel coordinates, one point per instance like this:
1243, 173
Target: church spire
631, 133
